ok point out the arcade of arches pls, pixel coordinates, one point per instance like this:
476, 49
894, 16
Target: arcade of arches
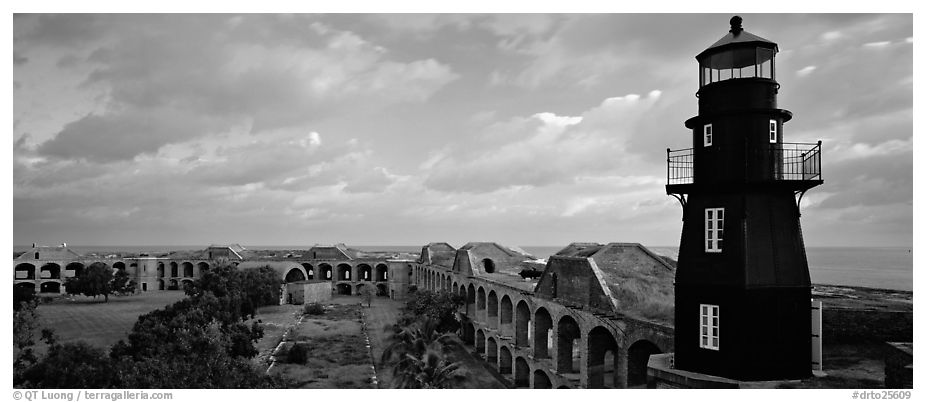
538, 343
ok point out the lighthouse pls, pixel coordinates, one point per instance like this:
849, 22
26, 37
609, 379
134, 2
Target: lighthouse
742, 286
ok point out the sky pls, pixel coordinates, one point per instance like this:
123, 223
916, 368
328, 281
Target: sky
404, 129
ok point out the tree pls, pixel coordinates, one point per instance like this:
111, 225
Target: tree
22, 295
438, 306
70, 365
97, 280
418, 356
122, 283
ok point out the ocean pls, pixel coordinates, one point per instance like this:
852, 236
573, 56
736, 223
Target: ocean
873, 267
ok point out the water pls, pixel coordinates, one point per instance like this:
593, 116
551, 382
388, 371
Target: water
874, 267
871, 267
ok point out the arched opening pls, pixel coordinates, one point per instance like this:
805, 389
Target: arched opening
119, 265
309, 271
26, 287
203, 267
161, 271
543, 325
294, 275
553, 282
456, 288
343, 289
521, 373
172, 285
364, 272
174, 270
480, 341
492, 352
50, 287
488, 265
492, 310
602, 367
505, 314
469, 333
25, 271
343, 272
568, 337
382, 273
358, 290
637, 358
471, 300
324, 272
523, 324
160, 284
542, 380
481, 304
76, 268
186, 284
382, 289
50, 271
187, 269
504, 360
463, 297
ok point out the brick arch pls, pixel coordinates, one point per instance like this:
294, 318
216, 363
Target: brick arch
523, 320
637, 357
295, 274
53, 269
325, 272
53, 286
471, 300
364, 272
602, 358
543, 327
28, 271
506, 315
480, 341
309, 270
568, 339
522, 373
542, 380
492, 309
492, 352
504, 360
344, 272
480, 303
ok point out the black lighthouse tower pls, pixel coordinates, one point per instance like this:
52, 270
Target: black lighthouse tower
742, 287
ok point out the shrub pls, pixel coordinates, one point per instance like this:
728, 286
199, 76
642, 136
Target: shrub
314, 309
298, 354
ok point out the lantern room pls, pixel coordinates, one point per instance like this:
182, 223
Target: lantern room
739, 54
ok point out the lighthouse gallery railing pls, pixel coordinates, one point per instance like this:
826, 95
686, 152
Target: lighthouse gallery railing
791, 161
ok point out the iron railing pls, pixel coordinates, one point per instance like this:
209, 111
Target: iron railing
789, 162
799, 161
680, 166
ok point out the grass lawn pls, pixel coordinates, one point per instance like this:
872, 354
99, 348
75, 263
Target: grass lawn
337, 355
95, 322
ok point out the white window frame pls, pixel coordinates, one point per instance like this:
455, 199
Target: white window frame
713, 230
709, 334
772, 131
708, 135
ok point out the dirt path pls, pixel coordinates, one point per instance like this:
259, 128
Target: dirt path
383, 312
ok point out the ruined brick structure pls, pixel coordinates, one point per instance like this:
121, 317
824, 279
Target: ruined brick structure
574, 327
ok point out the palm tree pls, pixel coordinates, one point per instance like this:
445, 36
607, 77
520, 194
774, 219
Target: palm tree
418, 355
431, 370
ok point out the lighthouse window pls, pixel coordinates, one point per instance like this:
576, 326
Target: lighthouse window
710, 327
772, 131
713, 230
708, 134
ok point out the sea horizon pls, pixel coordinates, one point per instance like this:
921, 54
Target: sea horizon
884, 267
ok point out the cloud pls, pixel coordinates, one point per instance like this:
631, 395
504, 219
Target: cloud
178, 78
543, 149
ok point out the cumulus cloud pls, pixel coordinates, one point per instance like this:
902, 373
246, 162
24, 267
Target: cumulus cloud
544, 148
179, 78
